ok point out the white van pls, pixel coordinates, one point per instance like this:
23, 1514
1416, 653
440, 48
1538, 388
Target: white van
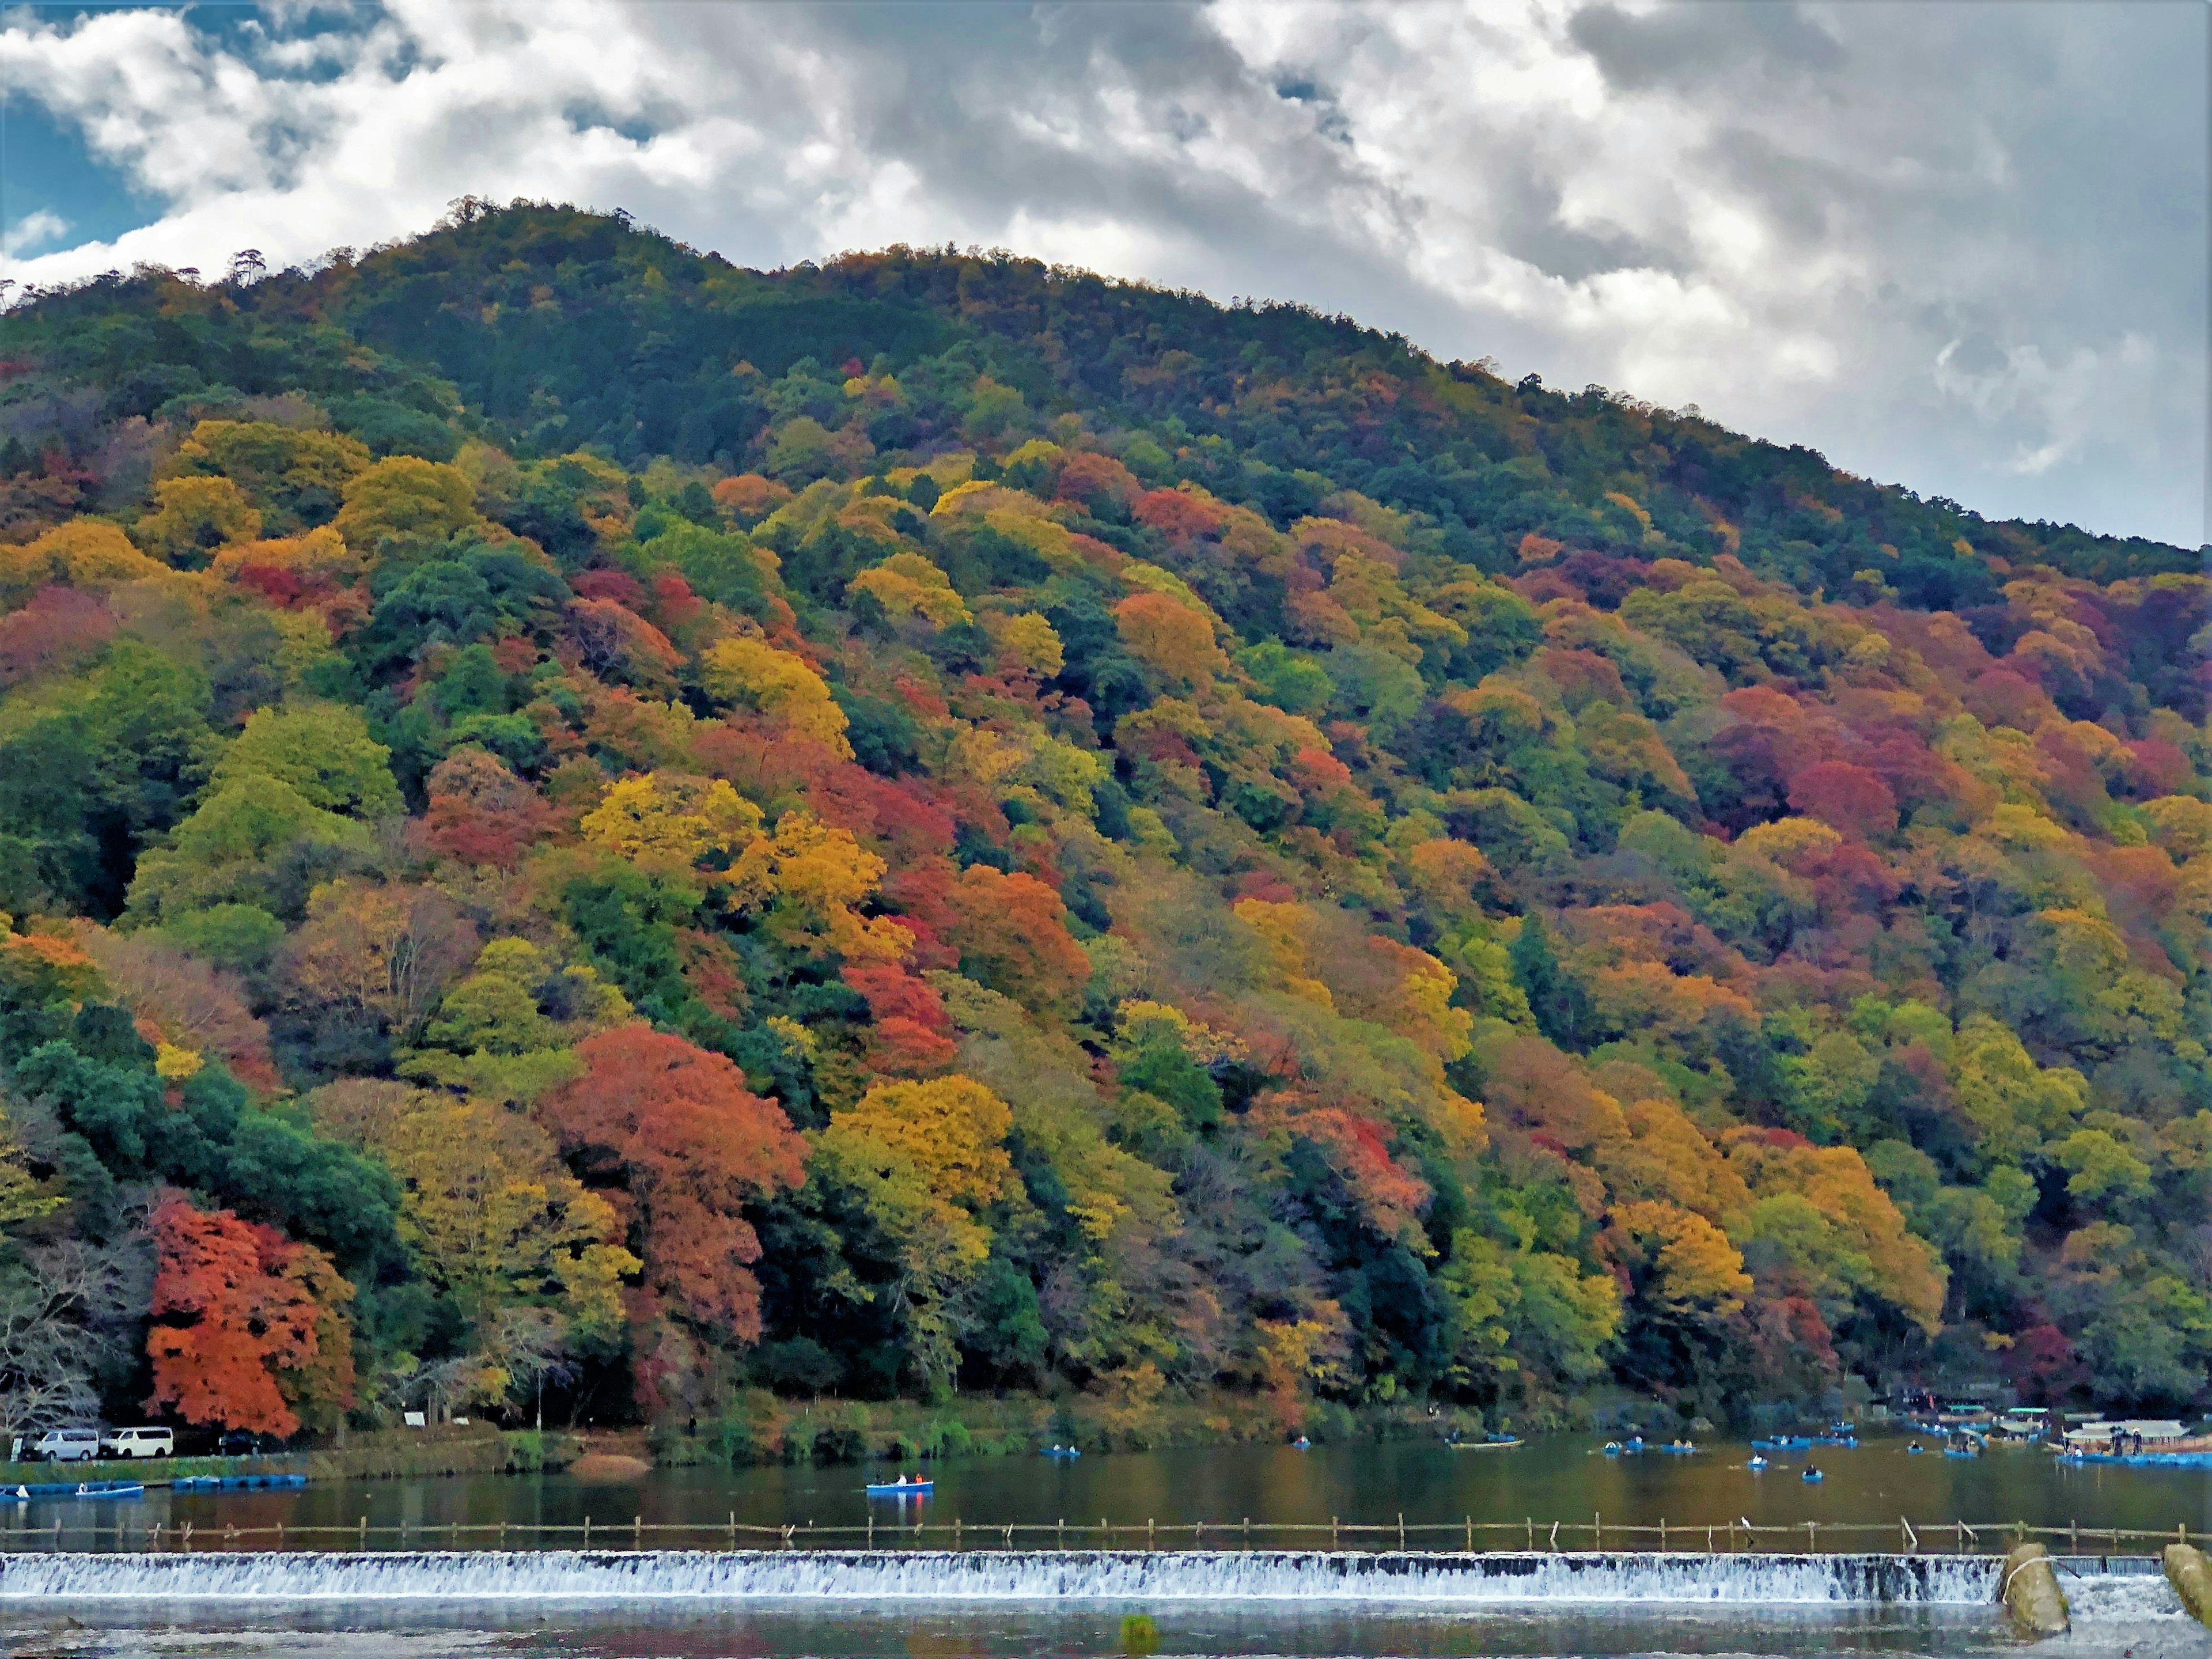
140, 1442
66, 1446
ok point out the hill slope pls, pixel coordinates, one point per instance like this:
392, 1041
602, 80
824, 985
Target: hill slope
576, 815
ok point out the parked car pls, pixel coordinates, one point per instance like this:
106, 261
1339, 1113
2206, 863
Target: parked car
140, 1442
66, 1446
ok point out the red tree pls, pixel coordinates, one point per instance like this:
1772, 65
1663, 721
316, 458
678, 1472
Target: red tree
675, 1129
479, 811
1010, 935
1845, 797
235, 1308
911, 1033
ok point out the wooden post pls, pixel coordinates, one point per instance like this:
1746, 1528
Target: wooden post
733, 1530
1597, 1530
1470, 1534
1332, 1532
1062, 1541
361, 1534
1662, 1532
587, 1530
2074, 1538
1532, 1533
1812, 1537
1247, 1529
1402, 1531
872, 1528
956, 1534
1148, 1532
636, 1531
188, 1538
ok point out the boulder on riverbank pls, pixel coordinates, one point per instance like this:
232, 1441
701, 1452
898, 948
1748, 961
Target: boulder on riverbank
2190, 1574
610, 1468
2030, 1592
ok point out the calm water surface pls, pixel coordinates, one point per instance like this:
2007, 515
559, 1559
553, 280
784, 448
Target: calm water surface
1562, 1478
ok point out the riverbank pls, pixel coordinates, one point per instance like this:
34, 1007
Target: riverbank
372, 1455
761, 1428
764, 1429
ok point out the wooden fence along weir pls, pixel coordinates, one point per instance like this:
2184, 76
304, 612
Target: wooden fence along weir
1467, 1533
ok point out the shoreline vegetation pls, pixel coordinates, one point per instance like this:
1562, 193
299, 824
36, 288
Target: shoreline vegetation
764, 1429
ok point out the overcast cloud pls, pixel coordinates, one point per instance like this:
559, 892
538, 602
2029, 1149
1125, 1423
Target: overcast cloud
1962, 248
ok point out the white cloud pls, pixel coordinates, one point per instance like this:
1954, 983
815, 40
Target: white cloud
34, 229
1891, 231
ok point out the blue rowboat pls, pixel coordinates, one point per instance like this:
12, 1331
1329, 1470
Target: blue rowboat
899, 1488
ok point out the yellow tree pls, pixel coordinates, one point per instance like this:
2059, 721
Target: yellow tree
809, 877
752, 674
668, 815
1685, 1265
925, 1157
498, 1220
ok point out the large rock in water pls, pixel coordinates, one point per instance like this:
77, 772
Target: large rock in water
2030, 1592
2191, 1575
610, 1468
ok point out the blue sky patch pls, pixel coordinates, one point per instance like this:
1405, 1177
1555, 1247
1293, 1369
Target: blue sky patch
47, 174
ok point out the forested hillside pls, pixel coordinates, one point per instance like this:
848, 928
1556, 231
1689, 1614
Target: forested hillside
581, 825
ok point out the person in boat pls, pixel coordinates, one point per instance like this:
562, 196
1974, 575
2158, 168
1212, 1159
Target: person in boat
1813, 1472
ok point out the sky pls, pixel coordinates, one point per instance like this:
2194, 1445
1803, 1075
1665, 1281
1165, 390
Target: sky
1961, 247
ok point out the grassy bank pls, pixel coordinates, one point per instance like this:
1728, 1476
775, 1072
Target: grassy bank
375, 1455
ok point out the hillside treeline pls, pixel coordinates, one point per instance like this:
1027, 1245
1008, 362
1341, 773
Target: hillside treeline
582, 829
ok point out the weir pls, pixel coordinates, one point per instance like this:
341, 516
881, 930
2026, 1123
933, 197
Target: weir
1410, 1578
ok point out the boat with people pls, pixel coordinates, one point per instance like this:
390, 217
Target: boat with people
902, 1488
2135, 1437
23, 1492
1756, 1464
1811, 1477
1061, 1452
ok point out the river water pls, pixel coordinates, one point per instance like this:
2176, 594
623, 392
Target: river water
427, 1606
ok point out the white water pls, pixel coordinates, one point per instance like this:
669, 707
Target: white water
2127, 1589
1469, 1580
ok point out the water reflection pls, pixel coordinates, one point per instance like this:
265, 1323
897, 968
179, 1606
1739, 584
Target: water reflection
1552, 1478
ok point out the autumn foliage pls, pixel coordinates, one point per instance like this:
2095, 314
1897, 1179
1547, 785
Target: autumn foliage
248, 1324
673, 1135
925, 822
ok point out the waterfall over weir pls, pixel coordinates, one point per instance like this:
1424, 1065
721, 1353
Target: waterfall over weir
1439, 1581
